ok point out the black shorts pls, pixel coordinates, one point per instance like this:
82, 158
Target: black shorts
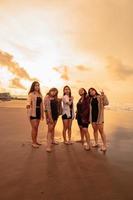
55, 118
38, 114
65, 117
80, 123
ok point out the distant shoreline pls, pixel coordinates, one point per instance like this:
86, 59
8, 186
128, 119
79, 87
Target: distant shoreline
21, 102
2, 99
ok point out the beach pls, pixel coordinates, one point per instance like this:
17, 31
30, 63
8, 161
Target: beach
68, 172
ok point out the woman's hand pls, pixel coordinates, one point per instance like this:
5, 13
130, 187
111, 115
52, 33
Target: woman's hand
102, 93
42, 118
27, 106
71, 99
51, 121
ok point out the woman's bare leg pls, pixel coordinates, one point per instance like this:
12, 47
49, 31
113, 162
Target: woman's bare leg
65, 128
34, 130
95, 133
69, 130
103, 136
87, 137
49, 136
53, 133
37, 126
81, 135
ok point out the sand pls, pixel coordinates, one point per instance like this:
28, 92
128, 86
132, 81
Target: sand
69, 172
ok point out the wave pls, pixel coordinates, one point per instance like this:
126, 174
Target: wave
127, 107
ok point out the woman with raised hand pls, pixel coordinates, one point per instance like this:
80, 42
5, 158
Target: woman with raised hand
97, 103
82, 116
35, 111
67, 114
52, 106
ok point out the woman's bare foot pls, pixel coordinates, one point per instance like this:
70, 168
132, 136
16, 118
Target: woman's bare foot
65, 142
38, 143
34, 145
55, 142
95, 145
70, 142
103, 148
48, 149
87, 147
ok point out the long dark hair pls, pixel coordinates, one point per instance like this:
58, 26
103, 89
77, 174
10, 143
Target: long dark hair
53, 89
66, 86
32, 88
85, 92
94, 90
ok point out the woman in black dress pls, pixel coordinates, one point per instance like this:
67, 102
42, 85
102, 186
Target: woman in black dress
82, 116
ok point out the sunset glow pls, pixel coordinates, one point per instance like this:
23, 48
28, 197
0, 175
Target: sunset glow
80, 43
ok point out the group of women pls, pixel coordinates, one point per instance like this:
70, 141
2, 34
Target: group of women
89, 109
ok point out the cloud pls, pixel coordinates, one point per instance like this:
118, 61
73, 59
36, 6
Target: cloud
15, 83
57, 69
118, 69
27, 52
79, 81
6, 60
82, 68
63, 71
65, 75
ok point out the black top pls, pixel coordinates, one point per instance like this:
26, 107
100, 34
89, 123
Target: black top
83, 109
79, 107
38, 109
94, 104
54, 108
39, 101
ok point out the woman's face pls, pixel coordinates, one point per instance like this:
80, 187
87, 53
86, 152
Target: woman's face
67, 90
37, 87
81, 91
92, 92
53, 93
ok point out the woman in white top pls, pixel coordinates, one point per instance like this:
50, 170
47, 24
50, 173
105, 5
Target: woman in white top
67, 113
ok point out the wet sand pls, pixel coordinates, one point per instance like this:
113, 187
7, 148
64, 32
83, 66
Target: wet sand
69, 172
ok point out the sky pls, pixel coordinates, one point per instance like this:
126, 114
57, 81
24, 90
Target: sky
80, 43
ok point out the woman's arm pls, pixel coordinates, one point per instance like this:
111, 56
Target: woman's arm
29, 100
66, 100
47, 109
59, 106
105, 100
42, 111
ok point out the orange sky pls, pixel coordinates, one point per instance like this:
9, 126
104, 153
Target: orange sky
82, 43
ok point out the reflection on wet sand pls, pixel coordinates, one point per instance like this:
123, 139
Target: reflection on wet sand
68, 172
